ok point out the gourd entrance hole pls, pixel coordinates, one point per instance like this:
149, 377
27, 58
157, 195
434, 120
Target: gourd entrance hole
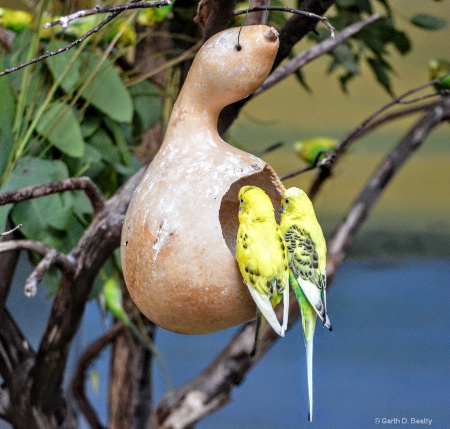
229, 207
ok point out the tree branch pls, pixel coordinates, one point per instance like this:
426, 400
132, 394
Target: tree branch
98, 242
310, 15
364, 203
311, 54
327, 167
56, 187
64, 20
79, 378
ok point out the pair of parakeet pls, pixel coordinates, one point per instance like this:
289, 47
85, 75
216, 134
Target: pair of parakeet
271, 257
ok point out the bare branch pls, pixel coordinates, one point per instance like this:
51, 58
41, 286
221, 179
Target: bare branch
63, 262
38, 273
64, 20
325, 172
311, 54
289, 10
329, 160
56, 187
79, 378
63, 49
362, 206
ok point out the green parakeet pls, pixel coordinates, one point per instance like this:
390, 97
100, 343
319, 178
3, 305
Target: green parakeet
307, 259
314, 150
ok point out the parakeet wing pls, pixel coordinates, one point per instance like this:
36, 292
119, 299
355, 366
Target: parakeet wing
265, 306
304, 263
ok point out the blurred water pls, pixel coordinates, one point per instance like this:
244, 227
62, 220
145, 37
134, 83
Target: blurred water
387, 357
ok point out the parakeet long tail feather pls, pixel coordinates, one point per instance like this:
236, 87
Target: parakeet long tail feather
309, 368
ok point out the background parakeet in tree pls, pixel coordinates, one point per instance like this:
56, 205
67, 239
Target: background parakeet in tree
439, 69
307, 259
263, 259
314, 149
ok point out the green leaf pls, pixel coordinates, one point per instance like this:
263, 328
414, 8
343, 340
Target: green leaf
380, 69
147, 105
46, 218
101, 141
60, 126
58, 63
428, 22
106, 90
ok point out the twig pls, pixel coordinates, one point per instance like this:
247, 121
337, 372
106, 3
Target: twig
340, 148
79, 378
64, 20
70, 184
38, 273
11, 230
63, 49
375, 124
64, 263
316, 51
289, 10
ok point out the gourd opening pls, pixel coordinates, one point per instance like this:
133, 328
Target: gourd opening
228, 213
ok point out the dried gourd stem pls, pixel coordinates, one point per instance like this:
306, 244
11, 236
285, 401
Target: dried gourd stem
289, 10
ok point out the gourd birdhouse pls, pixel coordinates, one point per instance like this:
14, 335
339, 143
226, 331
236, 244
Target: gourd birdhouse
179, 235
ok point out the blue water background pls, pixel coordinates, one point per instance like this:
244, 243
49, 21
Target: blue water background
387, 357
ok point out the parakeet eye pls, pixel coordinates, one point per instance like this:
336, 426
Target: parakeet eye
286, 200
242, 200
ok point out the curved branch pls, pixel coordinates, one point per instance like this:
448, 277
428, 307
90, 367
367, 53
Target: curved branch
79, 378
64, 263
56, 187
310, 15
311, 54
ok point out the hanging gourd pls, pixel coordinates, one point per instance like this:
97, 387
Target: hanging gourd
179, 235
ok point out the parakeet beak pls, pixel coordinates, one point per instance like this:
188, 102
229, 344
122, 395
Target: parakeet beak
282, 209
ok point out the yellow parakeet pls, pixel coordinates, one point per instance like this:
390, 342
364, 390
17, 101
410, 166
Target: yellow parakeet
263, 259
307, 259
314, 149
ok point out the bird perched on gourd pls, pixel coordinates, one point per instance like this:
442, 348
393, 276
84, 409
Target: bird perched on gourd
314, 149
307, 260
263, 259
440, 69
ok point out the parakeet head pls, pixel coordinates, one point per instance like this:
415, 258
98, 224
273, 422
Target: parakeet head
296, 203
253, 201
